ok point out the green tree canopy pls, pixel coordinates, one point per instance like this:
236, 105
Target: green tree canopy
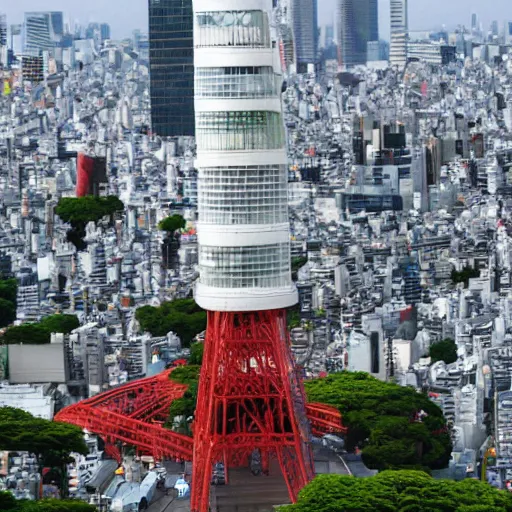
186, 405
382, 419
445, 350
8, 289
464, 275
196, 353
172, 223
40, 333
183, 317
9, 504
398, 491
51, 441
79, 211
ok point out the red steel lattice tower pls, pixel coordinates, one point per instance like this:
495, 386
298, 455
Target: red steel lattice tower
249, 395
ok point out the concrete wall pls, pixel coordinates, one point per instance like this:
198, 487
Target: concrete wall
37, 363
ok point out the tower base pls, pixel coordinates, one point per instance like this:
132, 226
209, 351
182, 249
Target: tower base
250, 403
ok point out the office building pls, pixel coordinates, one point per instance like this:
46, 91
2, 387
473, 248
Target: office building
171, 67
42, 31
3, 40
358, 23
425, 51
105, 31
377, 51
399, 33
305, 32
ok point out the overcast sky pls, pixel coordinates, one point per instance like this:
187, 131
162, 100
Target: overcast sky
126, 15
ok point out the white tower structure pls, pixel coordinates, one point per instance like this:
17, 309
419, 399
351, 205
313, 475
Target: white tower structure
243, 229
399, 33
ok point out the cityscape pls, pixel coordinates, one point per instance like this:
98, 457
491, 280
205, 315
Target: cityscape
251, 261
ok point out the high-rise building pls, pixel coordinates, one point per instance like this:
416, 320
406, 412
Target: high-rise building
358, 23
474, 22
42, 31
399, 33
171, 64
105, 31
305, 32
3, 40
249, 397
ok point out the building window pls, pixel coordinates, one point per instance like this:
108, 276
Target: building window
235, 131
243, 195
237, 82
266, 266
232, 28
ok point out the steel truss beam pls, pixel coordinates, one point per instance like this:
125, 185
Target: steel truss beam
250, 398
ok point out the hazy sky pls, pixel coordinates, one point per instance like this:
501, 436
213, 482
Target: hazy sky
126, 15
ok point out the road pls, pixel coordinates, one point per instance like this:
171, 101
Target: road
247, 493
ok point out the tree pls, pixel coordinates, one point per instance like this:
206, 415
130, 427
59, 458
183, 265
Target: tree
79, 211
196, 354
186, 405
9, 504
8, 291
383, 419
172, 223
464, 275
183, 317
445, 350
7, 312
40, 333
51, 441
398, 491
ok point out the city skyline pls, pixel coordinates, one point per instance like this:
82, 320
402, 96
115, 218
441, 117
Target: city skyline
124, 17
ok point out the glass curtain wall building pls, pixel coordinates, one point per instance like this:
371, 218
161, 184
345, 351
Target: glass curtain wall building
358, 24
42, 31
243, 230
171, 62
305, 32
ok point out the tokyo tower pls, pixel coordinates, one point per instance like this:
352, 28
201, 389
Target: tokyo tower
250, 397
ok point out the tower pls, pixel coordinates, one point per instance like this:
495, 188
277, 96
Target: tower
171, 67
358, 24
250, 397
399, 33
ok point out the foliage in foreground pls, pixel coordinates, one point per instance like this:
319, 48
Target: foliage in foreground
445, 350
398, 491
40, 333
380, 417
9, 504
183, 317
51, 441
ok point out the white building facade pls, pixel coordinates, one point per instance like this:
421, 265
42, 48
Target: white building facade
399, 33
243, 229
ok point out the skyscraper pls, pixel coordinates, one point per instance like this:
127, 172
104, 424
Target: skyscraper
42, 31
171, 64
305, 32
3, 42
249, 397
399, 33
358, 23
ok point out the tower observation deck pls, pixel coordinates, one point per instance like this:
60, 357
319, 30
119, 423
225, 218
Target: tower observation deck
243, 229
250, 399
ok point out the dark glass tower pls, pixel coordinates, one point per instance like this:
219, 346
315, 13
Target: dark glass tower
171, 62
358, 24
